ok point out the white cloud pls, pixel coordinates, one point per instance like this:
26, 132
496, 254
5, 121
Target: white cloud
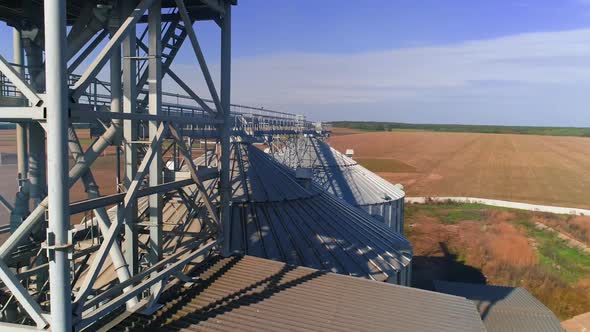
534, 73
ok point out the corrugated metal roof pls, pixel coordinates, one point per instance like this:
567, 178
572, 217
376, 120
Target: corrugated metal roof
504, 308
253, 294
337, 173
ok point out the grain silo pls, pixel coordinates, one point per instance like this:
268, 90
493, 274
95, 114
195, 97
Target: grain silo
276, 216
345, 178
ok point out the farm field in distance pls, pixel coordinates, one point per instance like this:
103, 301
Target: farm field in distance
550, 170
481, 244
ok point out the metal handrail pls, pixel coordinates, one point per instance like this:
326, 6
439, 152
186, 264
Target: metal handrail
244, 117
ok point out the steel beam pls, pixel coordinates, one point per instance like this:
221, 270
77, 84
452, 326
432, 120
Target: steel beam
105, 53
116, 89
92, 19
57, 165
154, 106
181, 83
81, 112
110, 236
102, 217
91, 47
216, 5
188, 24
195, 175
22, 295
19, 83
103, 201
225, 185
130, 135
189, 91
74, 175
155, 278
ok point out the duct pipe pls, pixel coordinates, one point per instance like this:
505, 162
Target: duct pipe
101, 214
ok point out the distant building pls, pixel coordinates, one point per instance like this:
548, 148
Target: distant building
349, 153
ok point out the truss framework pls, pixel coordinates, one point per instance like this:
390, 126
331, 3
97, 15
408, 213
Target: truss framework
128, 247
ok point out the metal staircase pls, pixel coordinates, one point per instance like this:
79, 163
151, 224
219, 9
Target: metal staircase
173, 35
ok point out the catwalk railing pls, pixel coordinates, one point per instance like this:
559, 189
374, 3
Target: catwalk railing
246, 120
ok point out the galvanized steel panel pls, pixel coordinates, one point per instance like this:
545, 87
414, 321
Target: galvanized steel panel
253, 294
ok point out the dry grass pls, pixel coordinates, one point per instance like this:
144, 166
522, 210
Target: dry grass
577, 227
527, 168
506, 249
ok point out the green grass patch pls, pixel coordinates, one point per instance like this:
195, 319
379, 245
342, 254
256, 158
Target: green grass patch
448, 213
556, 256
454, 216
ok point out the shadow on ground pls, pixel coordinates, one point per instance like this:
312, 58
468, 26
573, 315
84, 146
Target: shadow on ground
426, 269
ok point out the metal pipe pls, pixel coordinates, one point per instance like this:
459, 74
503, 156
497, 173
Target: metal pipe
101, 214
21, 130
225, 191
37, 178
57, 170
21, 204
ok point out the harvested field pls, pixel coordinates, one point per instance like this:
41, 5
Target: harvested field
386, 165
345, 131
526, 168
481, 244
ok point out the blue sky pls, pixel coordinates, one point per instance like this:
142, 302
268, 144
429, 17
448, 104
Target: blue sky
523, 62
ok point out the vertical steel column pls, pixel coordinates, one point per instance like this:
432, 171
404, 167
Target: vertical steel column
225, 191
116, 89
21, 206
155, 103
130, 135
57, 126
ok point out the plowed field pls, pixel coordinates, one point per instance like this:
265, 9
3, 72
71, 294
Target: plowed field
526, 168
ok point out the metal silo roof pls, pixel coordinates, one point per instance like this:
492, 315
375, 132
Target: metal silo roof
253, 294
337, 173
274, 216
504, 308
